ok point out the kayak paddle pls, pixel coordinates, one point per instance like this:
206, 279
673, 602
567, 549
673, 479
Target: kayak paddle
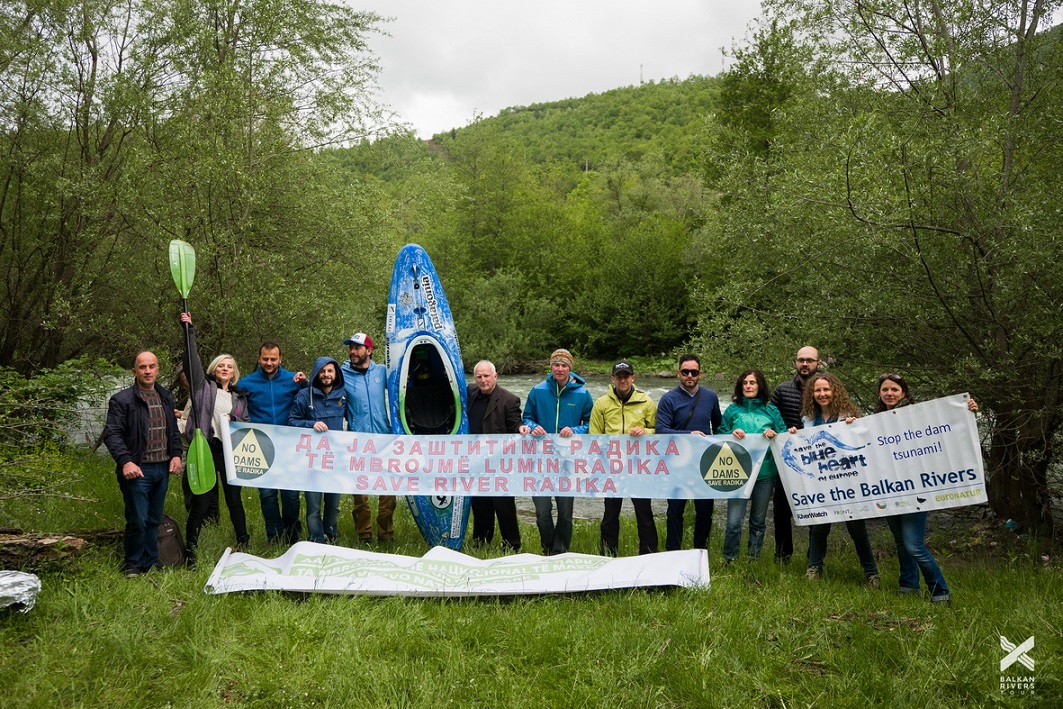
199, 465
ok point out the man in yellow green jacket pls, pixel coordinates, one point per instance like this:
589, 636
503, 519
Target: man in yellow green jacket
625, 410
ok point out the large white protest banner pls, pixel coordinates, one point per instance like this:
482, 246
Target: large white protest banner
911, 459
664, 467
322, 568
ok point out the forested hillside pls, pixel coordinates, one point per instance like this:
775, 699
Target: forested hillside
576, 223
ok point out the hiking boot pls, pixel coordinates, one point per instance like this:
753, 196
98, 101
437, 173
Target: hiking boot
942, 598
873, 581
814, 573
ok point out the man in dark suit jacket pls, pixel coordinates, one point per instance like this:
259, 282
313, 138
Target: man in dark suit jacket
492, 409
142, 435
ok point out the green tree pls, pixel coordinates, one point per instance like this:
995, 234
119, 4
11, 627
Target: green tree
906, 216
131, 123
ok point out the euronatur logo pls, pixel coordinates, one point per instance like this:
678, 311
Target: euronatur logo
1016, 654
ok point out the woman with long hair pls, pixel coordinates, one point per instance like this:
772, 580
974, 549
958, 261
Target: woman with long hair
218, 400
751, 413
909, 529
826, 401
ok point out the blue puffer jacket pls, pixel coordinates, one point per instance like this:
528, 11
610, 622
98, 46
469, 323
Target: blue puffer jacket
554, 409
270, 400
367, 407
313, 405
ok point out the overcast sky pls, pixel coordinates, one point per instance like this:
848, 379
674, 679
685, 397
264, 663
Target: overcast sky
447, 60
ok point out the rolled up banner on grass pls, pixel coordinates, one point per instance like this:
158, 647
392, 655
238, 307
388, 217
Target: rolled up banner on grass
682, 466
911, 459
322, 568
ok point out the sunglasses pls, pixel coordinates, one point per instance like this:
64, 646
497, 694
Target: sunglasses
690, 372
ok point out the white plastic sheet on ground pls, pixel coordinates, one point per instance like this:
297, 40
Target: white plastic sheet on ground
19, 589
321, 568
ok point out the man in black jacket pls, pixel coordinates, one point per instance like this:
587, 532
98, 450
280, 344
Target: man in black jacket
787, 399
492, 409
141, 434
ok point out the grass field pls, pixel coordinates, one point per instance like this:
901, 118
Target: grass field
761, 635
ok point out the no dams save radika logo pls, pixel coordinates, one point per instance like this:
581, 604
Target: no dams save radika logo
253, 453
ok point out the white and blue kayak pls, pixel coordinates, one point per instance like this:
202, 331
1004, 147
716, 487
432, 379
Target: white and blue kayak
426, 381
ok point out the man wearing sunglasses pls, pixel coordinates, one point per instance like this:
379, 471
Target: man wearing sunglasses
787, 399
689, 408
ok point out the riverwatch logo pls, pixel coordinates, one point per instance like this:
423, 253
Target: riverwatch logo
1016, 654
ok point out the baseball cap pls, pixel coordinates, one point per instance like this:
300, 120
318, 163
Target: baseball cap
359, 338
623, 366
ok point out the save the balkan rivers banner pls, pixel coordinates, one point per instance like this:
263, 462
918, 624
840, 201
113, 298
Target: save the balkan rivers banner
682, 466
911, 459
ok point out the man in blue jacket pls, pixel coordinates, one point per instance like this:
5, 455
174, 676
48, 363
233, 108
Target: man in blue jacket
322, 407
141, 434
367, 412
271, 390
689, 408
560, 405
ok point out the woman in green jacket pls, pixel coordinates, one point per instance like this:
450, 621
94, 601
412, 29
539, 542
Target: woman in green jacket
750, 414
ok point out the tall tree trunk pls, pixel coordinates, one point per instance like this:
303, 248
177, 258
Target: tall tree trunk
1020, 450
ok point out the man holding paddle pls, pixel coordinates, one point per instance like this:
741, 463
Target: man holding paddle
141, 434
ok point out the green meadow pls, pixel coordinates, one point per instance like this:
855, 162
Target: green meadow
760, 635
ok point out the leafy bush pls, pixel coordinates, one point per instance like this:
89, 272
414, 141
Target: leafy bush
41, 418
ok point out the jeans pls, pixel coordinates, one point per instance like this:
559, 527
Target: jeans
610, 528
758, 515
909, 531
144, 498
321, 527
555, 538
817, 545
673, 538
282, 521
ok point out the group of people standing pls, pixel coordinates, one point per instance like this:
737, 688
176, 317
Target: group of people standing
143, 436
814, 398
562, 405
